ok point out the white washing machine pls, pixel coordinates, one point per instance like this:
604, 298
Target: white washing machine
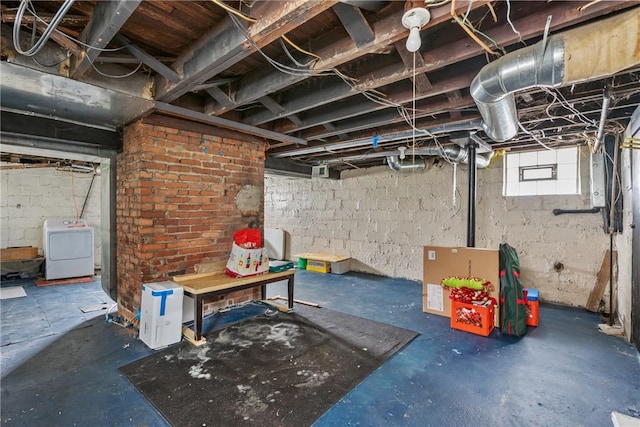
68, 249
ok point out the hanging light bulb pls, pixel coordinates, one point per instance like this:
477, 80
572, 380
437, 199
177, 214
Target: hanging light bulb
413, 41
414, 19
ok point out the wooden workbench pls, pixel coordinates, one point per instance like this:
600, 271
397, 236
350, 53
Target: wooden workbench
207, 285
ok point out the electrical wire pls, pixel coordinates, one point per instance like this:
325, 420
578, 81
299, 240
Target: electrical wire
294, 60
73, 194
533, 136
35, 48
113, 76
48, 65
306, 52
428, 4
234, 11
352, 82
511, 23
583, 7
468, 30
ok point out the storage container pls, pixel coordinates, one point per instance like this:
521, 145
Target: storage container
278, 266
161, 314
533, 307
341, 267
476, 319
319, 266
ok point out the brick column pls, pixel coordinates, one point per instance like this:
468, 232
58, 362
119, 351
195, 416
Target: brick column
180, 197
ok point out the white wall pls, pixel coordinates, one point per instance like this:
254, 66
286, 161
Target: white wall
383, 219
29, 196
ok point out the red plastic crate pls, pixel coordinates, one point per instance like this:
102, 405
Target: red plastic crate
476, 319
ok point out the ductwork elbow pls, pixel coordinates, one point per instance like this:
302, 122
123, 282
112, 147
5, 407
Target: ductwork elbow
493, 88
397, 165
585, 53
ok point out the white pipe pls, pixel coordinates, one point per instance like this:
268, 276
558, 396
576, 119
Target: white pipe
606, 100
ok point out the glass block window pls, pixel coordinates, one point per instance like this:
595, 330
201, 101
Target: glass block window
544, 172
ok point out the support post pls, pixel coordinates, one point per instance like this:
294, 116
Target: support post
471, 201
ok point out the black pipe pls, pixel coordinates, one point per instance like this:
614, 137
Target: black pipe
471, 202
575, 211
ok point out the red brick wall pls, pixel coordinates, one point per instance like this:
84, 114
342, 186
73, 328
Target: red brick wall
177, 203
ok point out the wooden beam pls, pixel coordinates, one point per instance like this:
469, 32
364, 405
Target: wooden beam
226, 45
359, 107
387, 31
411, 60
531, 26
602, 278
9, 16
385, 117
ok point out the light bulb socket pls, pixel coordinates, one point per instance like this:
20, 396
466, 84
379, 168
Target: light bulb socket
414, 19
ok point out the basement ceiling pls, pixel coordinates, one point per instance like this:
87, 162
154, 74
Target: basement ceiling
321, 82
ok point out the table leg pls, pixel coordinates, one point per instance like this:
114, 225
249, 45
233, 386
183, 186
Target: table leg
290, 291
263, 292
197, 317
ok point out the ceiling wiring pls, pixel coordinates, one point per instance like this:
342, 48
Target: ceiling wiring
234, 11
50, 27
49, 65
330, 71
535, 138
468, 30
306, 52
511, 23
123, 76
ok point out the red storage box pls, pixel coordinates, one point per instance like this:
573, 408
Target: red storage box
472, 318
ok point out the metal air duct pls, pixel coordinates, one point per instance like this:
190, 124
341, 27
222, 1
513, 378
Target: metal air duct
397, 165
590, 52
453, 153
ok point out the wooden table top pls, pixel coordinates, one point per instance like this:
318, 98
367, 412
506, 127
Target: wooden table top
210, 282
323, 257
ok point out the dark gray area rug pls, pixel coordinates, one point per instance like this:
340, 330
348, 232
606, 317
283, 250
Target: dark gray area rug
280, 369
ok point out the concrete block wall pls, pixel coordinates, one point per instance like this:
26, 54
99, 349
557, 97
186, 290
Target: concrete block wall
383, 219
181, 195
30, 196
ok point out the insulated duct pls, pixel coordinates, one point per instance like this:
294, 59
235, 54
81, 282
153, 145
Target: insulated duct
590, 52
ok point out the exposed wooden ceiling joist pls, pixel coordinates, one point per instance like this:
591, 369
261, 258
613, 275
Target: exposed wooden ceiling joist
227, 45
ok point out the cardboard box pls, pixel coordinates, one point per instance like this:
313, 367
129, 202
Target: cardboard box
472, 318
13, 254
441, 262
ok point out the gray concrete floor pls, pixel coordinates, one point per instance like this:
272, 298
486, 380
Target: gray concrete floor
60, 366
